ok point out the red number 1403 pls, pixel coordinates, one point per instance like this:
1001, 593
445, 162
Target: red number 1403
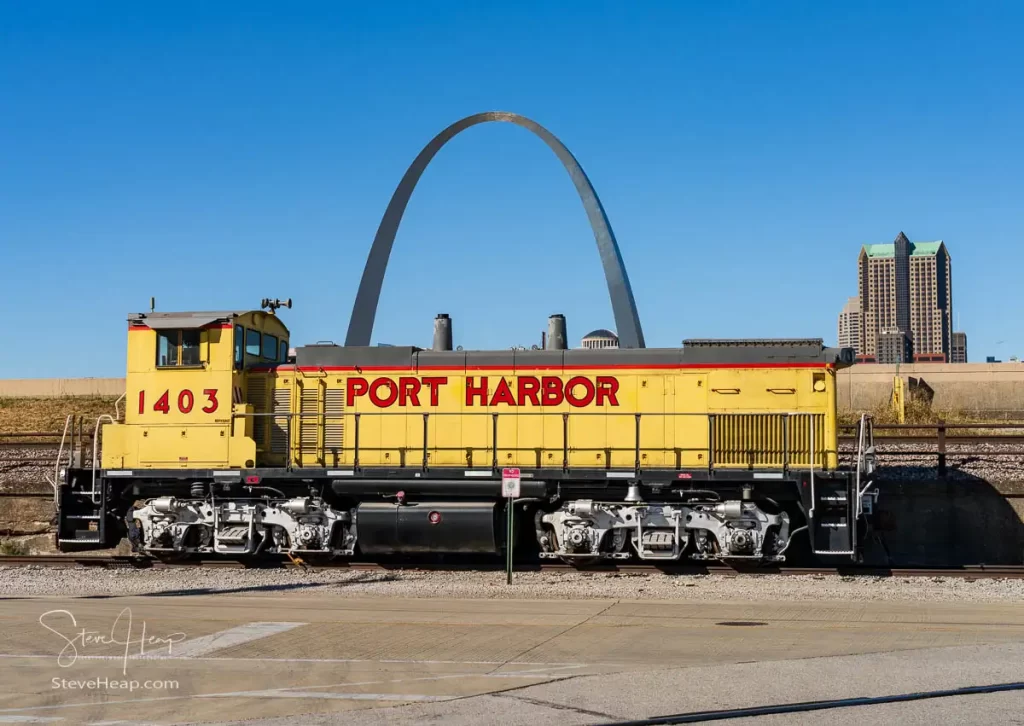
186, 400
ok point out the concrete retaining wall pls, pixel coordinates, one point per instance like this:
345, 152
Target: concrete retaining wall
995, 388
57, 387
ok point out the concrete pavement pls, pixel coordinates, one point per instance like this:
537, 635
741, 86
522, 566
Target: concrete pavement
301, 658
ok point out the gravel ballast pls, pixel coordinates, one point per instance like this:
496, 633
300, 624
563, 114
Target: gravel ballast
28, 581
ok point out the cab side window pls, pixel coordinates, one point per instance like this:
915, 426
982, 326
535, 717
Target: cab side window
283, 357
239, 347
178, 348
269, 347
167, 348
190, 348
252, 342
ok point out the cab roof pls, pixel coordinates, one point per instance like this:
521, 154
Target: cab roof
189, 319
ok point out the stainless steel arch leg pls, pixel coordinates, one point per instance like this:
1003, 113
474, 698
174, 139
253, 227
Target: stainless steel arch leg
627, 321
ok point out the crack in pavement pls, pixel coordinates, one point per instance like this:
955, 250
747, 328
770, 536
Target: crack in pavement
559, 634
557, 706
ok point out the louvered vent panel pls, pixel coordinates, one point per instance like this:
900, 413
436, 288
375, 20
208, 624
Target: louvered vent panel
334, 426
279, 424
256, 396
800, 440
308, 429
761, 440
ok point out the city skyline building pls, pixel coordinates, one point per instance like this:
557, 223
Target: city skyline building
599, 339
905, 291
850, 327
958, 352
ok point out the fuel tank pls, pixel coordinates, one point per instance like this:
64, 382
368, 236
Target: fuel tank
386, 528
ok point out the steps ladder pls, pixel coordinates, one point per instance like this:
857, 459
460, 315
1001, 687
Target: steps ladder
838, 504
79, 494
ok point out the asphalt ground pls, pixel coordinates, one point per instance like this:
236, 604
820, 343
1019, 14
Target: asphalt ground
300, 658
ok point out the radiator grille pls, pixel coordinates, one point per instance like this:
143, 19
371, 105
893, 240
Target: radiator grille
334, 425
279, 424
256, 396
310, 423
765, 439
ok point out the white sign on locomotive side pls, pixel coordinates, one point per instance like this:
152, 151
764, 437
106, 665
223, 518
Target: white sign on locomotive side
510, 481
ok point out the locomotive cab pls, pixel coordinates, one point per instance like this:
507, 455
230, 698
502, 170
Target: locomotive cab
187, 377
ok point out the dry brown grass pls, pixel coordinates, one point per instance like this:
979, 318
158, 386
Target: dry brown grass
11, 547
22, 415
919, 412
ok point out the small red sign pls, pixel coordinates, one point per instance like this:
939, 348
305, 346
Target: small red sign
510, 481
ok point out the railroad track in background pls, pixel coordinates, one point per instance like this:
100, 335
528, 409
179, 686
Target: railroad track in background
23, 450
970, 572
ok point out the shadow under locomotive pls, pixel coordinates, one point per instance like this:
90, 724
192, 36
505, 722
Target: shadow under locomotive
922, 519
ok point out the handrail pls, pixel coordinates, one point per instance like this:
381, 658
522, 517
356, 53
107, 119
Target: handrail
816, 458
814, 499
868, 442
860, 457
60, 454
95, 441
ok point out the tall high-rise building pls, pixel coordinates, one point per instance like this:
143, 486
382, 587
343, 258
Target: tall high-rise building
850, 325
958, 354
906, 291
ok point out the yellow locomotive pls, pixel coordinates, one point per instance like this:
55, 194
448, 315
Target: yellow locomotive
721, 449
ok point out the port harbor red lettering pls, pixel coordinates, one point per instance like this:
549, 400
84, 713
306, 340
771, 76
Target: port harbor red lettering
475, 390
552, 387
386, 392
607, 390
388, 398
434, 383
578, 391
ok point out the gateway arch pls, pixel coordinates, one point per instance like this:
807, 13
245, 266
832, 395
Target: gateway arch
627, 321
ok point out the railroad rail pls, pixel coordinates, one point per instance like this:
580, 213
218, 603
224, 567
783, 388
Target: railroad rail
141, 562
942, 435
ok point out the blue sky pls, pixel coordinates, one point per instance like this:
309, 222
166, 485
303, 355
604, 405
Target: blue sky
212, 154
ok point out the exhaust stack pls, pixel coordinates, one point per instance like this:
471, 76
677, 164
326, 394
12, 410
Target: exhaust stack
442, 332
557, 337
